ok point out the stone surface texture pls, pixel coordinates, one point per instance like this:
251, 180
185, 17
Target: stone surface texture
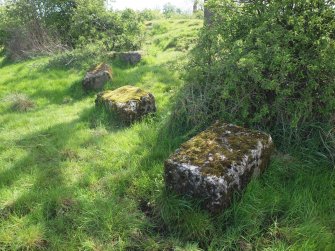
129, 57
96, 78
128, 102
217, 163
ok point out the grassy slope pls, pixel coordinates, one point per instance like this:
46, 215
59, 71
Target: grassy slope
69, 180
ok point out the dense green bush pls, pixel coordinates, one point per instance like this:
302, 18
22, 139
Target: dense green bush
82, 57
2, 28
119, 30
52, 14
169, 10
265, 64
30, 25
149, 15
23, 29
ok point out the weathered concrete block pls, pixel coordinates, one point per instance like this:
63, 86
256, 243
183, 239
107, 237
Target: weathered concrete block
128, 102
217, 163
129, 57
96, 78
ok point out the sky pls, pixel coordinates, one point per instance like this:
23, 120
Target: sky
150, 4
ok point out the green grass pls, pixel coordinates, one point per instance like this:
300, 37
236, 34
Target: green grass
70, 179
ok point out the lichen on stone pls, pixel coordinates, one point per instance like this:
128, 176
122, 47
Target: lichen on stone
97, 77
129, 57
102, 67
124, 94
217, 163
128, 102
215, 149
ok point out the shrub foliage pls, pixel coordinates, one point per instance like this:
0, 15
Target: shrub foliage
36, 25
266, 64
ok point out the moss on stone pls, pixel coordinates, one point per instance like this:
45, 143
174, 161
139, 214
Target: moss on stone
124, 94
129, 103
97, 77
215, 149
101, 67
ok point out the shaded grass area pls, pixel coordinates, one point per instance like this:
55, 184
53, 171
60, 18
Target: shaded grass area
70, 178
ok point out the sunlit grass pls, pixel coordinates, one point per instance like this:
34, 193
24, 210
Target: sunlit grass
71, 179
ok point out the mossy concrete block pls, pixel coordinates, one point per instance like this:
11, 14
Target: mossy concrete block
128, 102
217, 163
96, 78
129, 57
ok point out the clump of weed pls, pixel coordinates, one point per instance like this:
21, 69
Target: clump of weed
67, 100
61, 207
20, 102
69, 154
79, 58
158, 29
99, 131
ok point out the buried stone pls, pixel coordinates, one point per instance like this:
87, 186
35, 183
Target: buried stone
128, 102
217, 163
96, 78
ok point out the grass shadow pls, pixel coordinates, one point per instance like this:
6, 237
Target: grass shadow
98, 117
73, 93
50, 199
5, 61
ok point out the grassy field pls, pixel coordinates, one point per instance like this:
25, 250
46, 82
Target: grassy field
70, 179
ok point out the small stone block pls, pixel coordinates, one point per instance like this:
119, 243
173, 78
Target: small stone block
96, 78
129, 57
217, 163
128, 102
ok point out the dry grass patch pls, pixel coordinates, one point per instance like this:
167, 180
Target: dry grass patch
19, 102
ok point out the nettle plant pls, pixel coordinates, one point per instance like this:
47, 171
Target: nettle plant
267, 64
